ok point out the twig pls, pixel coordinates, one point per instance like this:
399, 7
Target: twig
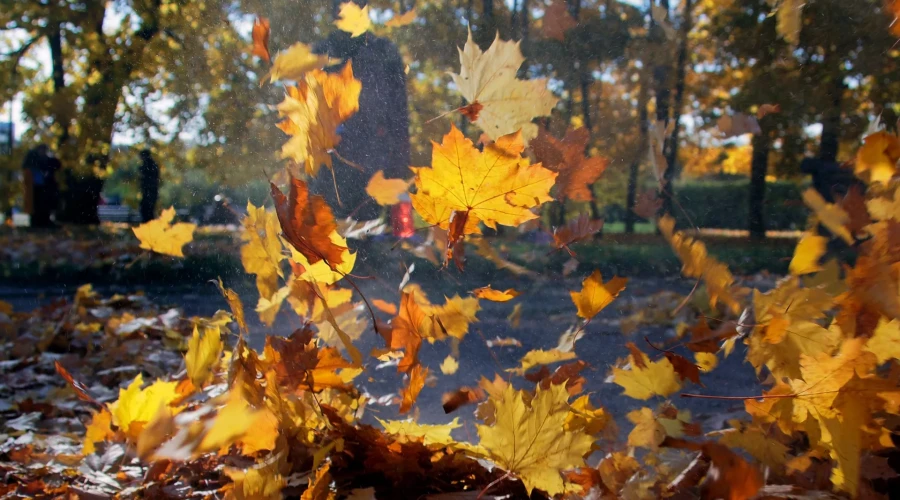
492, 484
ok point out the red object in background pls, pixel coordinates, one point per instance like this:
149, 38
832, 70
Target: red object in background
402, 220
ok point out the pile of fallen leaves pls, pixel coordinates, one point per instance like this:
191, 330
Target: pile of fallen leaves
285, 420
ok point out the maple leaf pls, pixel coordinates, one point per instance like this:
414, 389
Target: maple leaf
407, 331
576, 230
386, 191
402, 20
647, 431
161, 236
648, 204
319, 487
232, 421
878, 157
294, 63
323, 272
449, 365
410, 393
647, 378
697, 263
489, 293
882, 208
307, 223
885, 341
757, 443
541, 357
824, 375
830, 215
451, 401
465, 186
428, 434
706, 361
313, 110
498, 102
353, 19
684, 368
595, 295
98, 430
557, 21
566, 156
261, 38
531, 441
261, 253
257, 483
809, 250
80, 389
136, 406
203, 354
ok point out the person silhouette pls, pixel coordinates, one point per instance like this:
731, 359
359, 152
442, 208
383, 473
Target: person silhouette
149, 171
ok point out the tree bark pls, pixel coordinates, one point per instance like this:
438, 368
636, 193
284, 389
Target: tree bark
671, 151
831, 121
759, 166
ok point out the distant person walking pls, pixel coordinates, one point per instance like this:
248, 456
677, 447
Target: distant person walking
149, 185
40, 185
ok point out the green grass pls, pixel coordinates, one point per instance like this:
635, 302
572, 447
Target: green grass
619, 228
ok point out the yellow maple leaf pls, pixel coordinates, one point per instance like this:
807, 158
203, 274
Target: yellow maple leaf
878, 156
498, 102
98, 430
386, 191
136, 406
781, 352
882, 208
809, 250
320, 271
595, 295
885, 342
313, 110
465, 186
261, 435
353, 19
203, 354
268, 307
402, 20
258, 483
261, 253
757, 443
647, 379
161, 236
235, 304
583, 415
231, 423
707, 361
296, 61
407, 430
531, 441
824, 375
830, 215
319, 487
488, 293
647, 431
538, 357
449, 365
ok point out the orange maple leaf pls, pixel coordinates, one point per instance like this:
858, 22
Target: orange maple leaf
407, 331
261, 38
410, 393
576, 230
307, 223
566, 156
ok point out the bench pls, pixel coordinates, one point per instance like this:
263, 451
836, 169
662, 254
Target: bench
117, 213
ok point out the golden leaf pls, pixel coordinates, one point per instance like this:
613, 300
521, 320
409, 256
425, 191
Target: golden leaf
203, 354
98, 430
655, 378
449, 365
878, 157
230, 424
830, 215
402, 20
541, 357
261, 252
353, 19
885, 342
488, 293
647, 431
294, 63
407, 430
809, 250
161, 236
410, 393
136, 407
595, 295
386, 191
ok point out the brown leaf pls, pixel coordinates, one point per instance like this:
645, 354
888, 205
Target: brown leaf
307, 223
451, 401
685, 369
566, 156
648, 204
766, 109
406, 331
410, 393
854, 203
576, 230
729, 477
557, 21
637, 355
261, 38
79, 387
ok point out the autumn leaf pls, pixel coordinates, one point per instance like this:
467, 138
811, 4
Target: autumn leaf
323, 272
231, 422
557, 21
313, 110
576, 172
789, 20
98, 430
809, 250
410, 393
353, 19
386, 191
261, 253
449, 365
385, 307
256, 483
647, 431
531, 441
451, 401
406, 430
576, 230
767, 109
465, 186
307, 223
261, 38
319, 487
401, 20
878, 157
136, 406
488, 293
647, 378
203, 354
830, 215
595, 295
407, 331
736, 125
539, 357
80, 389
685, 369
161, 236
294, 63
648, 204
498, 102
235, 304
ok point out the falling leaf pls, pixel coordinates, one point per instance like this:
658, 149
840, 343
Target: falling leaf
319, 487
595, 295
80, 389
484, 249
570, 267
451, 401
307, 223
261, 253
737, 125
98, 430
232, 421
410, 393
161, 236
648, 204
407, 331
136, 406
767, 109
353, 19
261, 38
235, 304
294, 63
504, 342
576, 230
515, 317
684, 368
465, 186
809, 250
203, 354
313, 110
322, 272
449, 365
542, 357
427, 434
660, 16
386, 191
256, 483
655, 378
706, 361
498, 102
385, 307
531, 441
789, 17
878, 157
830, 215
755, 441
647, 431
557, 21
402, 20
488, 293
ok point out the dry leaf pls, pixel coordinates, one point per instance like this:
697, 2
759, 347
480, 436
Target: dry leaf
402, 20
353, 19
307, 223
489, 293
596, 295
261, 38
386, 191
161, 236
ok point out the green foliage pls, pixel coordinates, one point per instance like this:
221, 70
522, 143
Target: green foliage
725, 205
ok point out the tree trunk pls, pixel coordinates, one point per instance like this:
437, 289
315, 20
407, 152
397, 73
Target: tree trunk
759, 166
831, 121
661, 75
671, 149
524, 20
487, 26
634, 169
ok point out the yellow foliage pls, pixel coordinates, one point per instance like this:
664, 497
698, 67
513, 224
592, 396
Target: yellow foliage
136, 406
386, 191
427, 434
595, 295
161, 236
353, 19
655, 378
203, 355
